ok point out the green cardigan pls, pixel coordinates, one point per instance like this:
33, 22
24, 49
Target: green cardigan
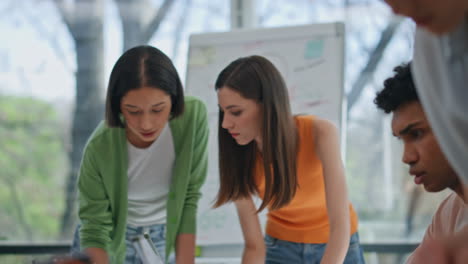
103, 180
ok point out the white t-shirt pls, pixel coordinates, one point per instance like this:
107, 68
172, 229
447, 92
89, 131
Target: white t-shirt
450, 217
440, 71
149, 178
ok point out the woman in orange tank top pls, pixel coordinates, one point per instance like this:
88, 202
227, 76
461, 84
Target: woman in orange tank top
292, 163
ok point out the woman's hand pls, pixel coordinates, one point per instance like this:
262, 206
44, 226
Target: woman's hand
97, 255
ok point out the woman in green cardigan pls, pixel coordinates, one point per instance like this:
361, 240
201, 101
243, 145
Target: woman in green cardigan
143, 167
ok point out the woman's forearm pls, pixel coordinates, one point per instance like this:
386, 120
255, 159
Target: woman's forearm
97, 255
185, 249
253, 255
337, 246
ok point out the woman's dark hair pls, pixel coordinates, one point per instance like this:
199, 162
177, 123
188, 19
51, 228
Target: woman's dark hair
398, 90
257, 78
138, 67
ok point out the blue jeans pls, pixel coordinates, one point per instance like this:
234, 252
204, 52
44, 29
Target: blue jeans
156, 232
285, 252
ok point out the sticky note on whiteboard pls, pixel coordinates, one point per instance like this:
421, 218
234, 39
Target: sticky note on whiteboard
313, 49
202, 56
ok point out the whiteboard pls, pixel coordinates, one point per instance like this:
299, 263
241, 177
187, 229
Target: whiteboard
311, 60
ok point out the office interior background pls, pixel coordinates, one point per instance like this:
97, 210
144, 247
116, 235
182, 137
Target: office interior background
50, 103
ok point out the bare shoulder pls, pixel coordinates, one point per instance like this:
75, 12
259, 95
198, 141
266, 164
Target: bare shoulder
323, 128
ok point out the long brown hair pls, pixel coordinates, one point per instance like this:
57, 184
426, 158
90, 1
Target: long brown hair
256, 78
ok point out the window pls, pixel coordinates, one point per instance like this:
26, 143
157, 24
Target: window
55, 62
54, 68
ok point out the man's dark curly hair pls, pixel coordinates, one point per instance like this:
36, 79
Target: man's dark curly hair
398, 90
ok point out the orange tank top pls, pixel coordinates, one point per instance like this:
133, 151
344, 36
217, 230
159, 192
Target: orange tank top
305, 218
